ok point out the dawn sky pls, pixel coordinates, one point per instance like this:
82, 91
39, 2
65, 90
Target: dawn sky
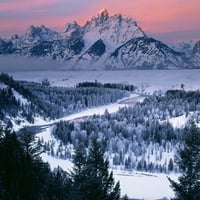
167, 20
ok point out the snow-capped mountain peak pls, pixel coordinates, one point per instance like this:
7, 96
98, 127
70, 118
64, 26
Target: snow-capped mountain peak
36, 34
100, 18
103, 14
72, 29
113, 30
70, 25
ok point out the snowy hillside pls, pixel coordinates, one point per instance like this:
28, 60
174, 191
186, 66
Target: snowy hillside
185, 47
24, 101
140, 132
134, 184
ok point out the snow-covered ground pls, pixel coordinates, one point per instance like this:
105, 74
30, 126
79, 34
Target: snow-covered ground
19, 97
135, 184
55, 162
179, 122
145, 186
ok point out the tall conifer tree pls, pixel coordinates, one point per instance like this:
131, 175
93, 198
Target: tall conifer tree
188, 186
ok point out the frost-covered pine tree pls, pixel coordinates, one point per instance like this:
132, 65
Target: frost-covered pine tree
188, 186
91, 178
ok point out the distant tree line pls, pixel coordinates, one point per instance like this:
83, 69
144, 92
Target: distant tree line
121, 86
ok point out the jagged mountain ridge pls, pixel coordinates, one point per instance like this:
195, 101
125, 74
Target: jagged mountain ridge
104, 42
147, 51
114, 30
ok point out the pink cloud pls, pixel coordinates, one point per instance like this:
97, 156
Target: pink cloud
152, 15
25, 4
160, 15
55, 23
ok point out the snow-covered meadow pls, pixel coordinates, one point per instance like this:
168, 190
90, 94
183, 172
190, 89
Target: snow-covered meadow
136, 185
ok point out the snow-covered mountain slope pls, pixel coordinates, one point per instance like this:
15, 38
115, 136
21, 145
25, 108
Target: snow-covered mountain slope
38, 34
32, 36
185, 47
144, 53
12, 105
95, 51
93, 45
114, 30
72, 29
195, 57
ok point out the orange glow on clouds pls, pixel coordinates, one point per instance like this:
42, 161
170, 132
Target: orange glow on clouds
154, 16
